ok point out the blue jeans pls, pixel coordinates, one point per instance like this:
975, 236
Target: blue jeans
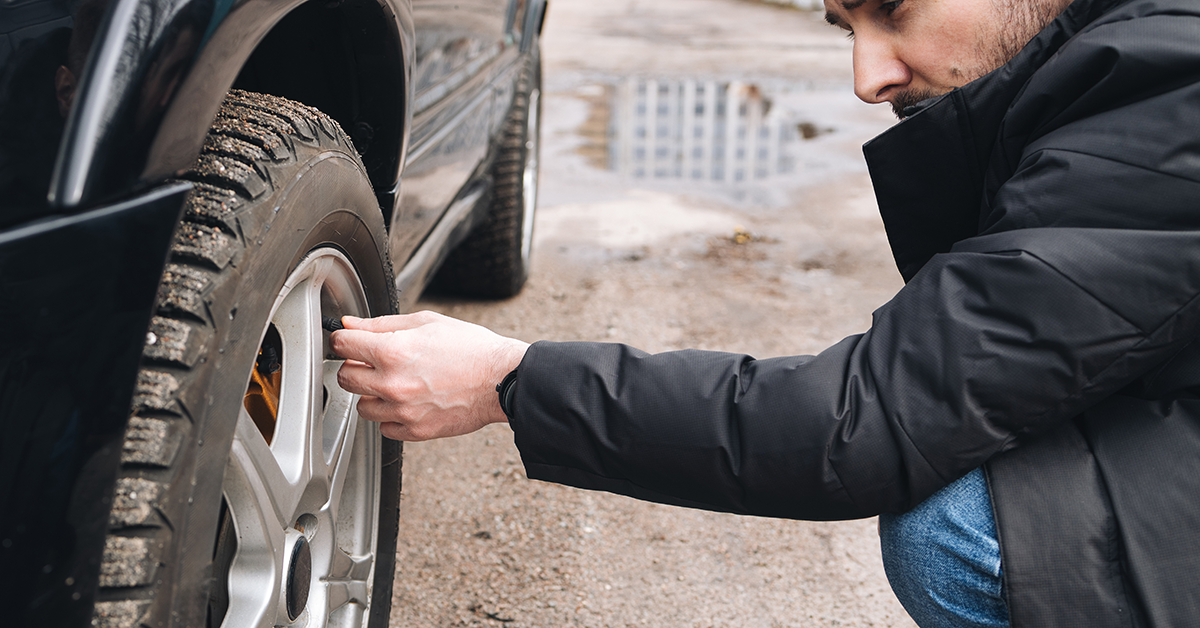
943, 560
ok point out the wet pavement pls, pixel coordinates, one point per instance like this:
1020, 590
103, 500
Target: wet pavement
702, 186
746, 142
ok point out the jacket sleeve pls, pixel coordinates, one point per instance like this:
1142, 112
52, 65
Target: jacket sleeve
1086, 278
996, 341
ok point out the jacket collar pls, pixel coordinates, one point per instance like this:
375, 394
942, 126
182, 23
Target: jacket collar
928, 170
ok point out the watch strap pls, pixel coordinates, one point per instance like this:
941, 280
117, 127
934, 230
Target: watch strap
505, 389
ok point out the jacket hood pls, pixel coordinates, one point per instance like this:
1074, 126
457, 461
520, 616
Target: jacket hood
928, 171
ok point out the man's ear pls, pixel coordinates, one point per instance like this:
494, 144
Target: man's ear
64, 89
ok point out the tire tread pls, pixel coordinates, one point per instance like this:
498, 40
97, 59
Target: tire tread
215, 232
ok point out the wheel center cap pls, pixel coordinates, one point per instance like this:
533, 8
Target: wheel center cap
299, 574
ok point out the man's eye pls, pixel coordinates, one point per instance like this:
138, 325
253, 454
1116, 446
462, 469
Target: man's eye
890, 7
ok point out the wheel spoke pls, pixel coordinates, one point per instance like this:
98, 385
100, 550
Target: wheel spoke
298, 321
339, 414
275, 496
259, 497
348, 580
347, 588
340, 417
349, 550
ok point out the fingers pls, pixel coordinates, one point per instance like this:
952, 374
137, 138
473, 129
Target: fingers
353, 344
361, 379
394, 431
360, 339
383, 412
400, 421
376, 409
397, 322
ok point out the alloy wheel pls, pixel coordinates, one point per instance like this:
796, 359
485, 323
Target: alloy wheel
302, 483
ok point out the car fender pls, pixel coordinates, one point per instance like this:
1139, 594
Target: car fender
157, 73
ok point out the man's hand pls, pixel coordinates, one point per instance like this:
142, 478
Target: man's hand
424, 375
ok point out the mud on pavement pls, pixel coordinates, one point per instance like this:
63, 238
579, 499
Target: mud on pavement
755, 232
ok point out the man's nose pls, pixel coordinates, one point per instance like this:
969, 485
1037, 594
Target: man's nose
878, 70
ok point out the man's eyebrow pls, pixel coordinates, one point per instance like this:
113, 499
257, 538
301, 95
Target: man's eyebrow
848, 5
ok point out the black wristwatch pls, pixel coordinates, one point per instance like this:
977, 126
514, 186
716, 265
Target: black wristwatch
505, 389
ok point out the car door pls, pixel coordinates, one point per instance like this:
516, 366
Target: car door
459, 46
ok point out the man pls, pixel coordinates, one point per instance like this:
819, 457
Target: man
1029, 400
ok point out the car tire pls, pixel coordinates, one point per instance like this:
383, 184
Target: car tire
230, 511
493, 260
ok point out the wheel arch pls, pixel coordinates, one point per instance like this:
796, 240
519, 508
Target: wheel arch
114, 143
348, 58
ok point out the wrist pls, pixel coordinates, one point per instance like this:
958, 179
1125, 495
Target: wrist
507, 359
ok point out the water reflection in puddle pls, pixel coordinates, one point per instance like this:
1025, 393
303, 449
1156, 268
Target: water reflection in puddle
724, 132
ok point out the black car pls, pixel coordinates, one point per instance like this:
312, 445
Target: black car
192, 194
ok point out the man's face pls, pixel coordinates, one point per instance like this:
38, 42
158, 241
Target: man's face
908, 50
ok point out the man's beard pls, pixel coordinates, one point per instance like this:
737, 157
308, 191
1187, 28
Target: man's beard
1018, 20
910, 97
1021, 20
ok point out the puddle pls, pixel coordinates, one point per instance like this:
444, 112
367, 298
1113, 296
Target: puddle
640, 218
637, 164
708, 131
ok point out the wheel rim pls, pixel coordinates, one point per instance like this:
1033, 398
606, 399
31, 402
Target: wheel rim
305, 506
529, 183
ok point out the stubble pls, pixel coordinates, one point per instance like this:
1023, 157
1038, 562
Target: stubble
997, 42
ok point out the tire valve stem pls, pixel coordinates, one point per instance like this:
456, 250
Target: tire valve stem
331, 324
268, 361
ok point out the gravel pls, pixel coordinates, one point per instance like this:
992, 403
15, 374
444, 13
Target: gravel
789, 266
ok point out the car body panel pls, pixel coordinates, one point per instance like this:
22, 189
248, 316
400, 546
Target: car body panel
81, 254
72, 338
33, 42
141, 50
148, 93
463, 51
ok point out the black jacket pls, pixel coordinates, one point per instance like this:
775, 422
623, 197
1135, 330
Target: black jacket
1046, 219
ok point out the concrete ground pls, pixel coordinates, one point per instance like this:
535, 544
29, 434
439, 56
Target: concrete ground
702, 186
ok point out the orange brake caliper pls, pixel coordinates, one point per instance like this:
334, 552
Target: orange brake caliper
262, 395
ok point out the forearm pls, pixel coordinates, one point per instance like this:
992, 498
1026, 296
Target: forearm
701, 429
954, 370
